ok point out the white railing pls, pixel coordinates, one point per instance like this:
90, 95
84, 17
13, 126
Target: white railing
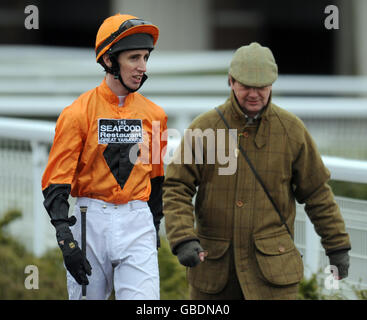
71, 71
181, 85
25, 163
73, 64
334, 108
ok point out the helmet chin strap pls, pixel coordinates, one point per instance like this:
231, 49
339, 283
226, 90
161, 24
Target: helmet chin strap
130, 90
115, 70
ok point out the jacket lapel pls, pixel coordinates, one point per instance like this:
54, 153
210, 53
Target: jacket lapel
262, 133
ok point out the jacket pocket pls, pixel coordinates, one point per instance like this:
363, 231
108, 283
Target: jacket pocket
211, 276
278, 258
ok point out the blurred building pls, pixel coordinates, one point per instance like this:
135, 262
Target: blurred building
294, 30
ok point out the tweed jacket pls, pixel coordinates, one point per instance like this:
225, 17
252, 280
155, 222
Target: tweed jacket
232, 212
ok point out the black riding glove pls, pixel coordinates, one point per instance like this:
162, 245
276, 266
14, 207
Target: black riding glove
158, 238
340, 259
155, 204
73, 257
188, 253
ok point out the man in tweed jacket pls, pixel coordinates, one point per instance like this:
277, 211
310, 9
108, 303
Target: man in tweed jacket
238, 248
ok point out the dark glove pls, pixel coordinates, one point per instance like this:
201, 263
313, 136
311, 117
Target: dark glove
340, 259
155, 203
158, 238
73, 257
188, 253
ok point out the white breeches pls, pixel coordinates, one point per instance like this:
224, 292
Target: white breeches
121, 248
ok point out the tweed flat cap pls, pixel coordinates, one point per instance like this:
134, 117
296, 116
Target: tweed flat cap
254, 65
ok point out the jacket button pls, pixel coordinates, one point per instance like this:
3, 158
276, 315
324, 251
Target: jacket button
104, 206
239, 203
281, 249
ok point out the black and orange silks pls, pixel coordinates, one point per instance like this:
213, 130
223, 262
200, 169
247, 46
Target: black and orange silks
107, 152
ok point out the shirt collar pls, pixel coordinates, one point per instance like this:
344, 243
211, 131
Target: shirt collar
255, 119
241, 116
109, 95
263, 123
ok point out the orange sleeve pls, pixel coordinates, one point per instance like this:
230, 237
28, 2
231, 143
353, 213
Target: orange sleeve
65, 151
159, 146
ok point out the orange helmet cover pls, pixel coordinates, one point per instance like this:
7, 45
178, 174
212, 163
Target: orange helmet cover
112, 24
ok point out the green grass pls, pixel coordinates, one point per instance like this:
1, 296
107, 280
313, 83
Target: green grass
349, 189
52, 276
14, 259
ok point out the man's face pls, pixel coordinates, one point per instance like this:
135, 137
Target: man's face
133, 65
251, 99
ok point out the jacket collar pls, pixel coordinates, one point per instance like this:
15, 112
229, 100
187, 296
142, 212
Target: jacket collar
109, 95
263, 131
